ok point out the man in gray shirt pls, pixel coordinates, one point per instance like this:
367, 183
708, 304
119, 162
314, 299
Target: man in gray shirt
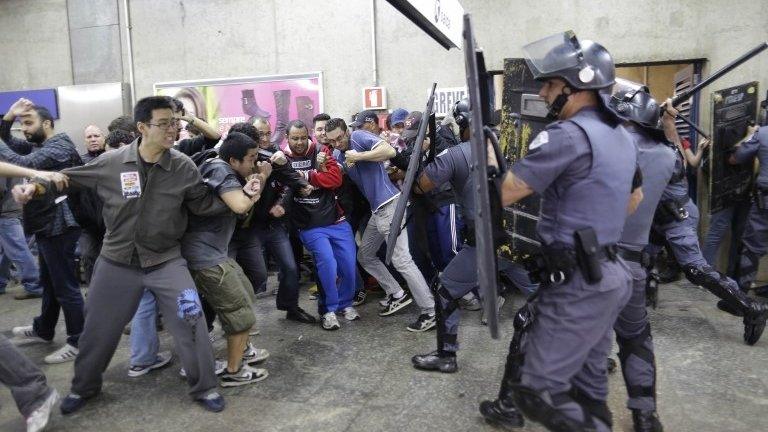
147, 189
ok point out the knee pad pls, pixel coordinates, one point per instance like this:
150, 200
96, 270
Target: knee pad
637, 346
448, 304
543, 408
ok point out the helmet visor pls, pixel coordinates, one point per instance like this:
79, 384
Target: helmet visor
553, 53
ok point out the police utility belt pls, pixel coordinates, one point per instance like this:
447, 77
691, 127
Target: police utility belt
670, 211
645, 259
557, 264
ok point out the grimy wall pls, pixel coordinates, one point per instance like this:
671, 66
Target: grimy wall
47, 43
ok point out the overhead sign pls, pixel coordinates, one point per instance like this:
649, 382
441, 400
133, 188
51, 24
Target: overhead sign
374, 98
446, 98
43, 97
441, 19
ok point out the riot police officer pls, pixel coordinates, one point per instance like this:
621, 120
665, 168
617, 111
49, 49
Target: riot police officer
676, 219
583, 166
755, 239
633, 331
460, 275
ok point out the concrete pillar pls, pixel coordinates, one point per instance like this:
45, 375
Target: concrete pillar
94, 38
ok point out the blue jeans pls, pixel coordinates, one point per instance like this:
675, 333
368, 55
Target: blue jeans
16, 250
333, 249
248, 250
730, 219
144, 340
61, 289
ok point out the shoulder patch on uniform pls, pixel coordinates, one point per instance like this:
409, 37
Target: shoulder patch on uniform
541, 139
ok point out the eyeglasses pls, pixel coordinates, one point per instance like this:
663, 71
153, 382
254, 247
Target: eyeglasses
166, 124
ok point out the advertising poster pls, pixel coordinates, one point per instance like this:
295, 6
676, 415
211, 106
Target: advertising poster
224, 102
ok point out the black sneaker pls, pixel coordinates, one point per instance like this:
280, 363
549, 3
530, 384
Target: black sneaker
71, 403
246, 375
359, 298
423, 323
395, 304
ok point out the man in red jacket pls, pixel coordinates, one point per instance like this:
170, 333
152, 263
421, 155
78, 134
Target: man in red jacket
321, 224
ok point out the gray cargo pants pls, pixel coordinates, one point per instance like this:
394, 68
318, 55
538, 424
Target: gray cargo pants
570, 339
113, 297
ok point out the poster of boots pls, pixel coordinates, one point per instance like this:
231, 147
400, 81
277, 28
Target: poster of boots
226, 101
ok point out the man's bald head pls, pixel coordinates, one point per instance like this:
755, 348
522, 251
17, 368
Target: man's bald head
265, 131
94, 139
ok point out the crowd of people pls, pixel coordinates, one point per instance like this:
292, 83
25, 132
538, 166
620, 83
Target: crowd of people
180, 233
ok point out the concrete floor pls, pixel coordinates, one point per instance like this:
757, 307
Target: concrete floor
360, 378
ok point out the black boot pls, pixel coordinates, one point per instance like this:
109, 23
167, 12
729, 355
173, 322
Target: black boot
496, 413
733, 299
435, 361
754, 321
726, 307
646, 421
502, 411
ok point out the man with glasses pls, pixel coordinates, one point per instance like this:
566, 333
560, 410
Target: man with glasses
147, 189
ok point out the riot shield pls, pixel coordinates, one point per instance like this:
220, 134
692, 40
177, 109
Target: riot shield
410, 177
479, 89
733, 110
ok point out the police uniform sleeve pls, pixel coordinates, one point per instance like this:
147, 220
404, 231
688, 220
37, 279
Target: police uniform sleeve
549, 155
747, 150
441, 170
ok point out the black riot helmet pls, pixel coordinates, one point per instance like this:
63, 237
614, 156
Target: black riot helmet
461, 113
583, 65
632, 101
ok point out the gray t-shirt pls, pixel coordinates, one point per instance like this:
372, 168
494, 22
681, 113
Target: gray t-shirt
205, 243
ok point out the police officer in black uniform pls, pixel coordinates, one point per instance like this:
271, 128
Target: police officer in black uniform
585, 168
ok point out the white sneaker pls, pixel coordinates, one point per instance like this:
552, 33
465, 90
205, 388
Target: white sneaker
350, 314
330, 322
385, 301
253, 355
38, 420
219, 365
62, 355
162, 360
246, 375
27, 334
